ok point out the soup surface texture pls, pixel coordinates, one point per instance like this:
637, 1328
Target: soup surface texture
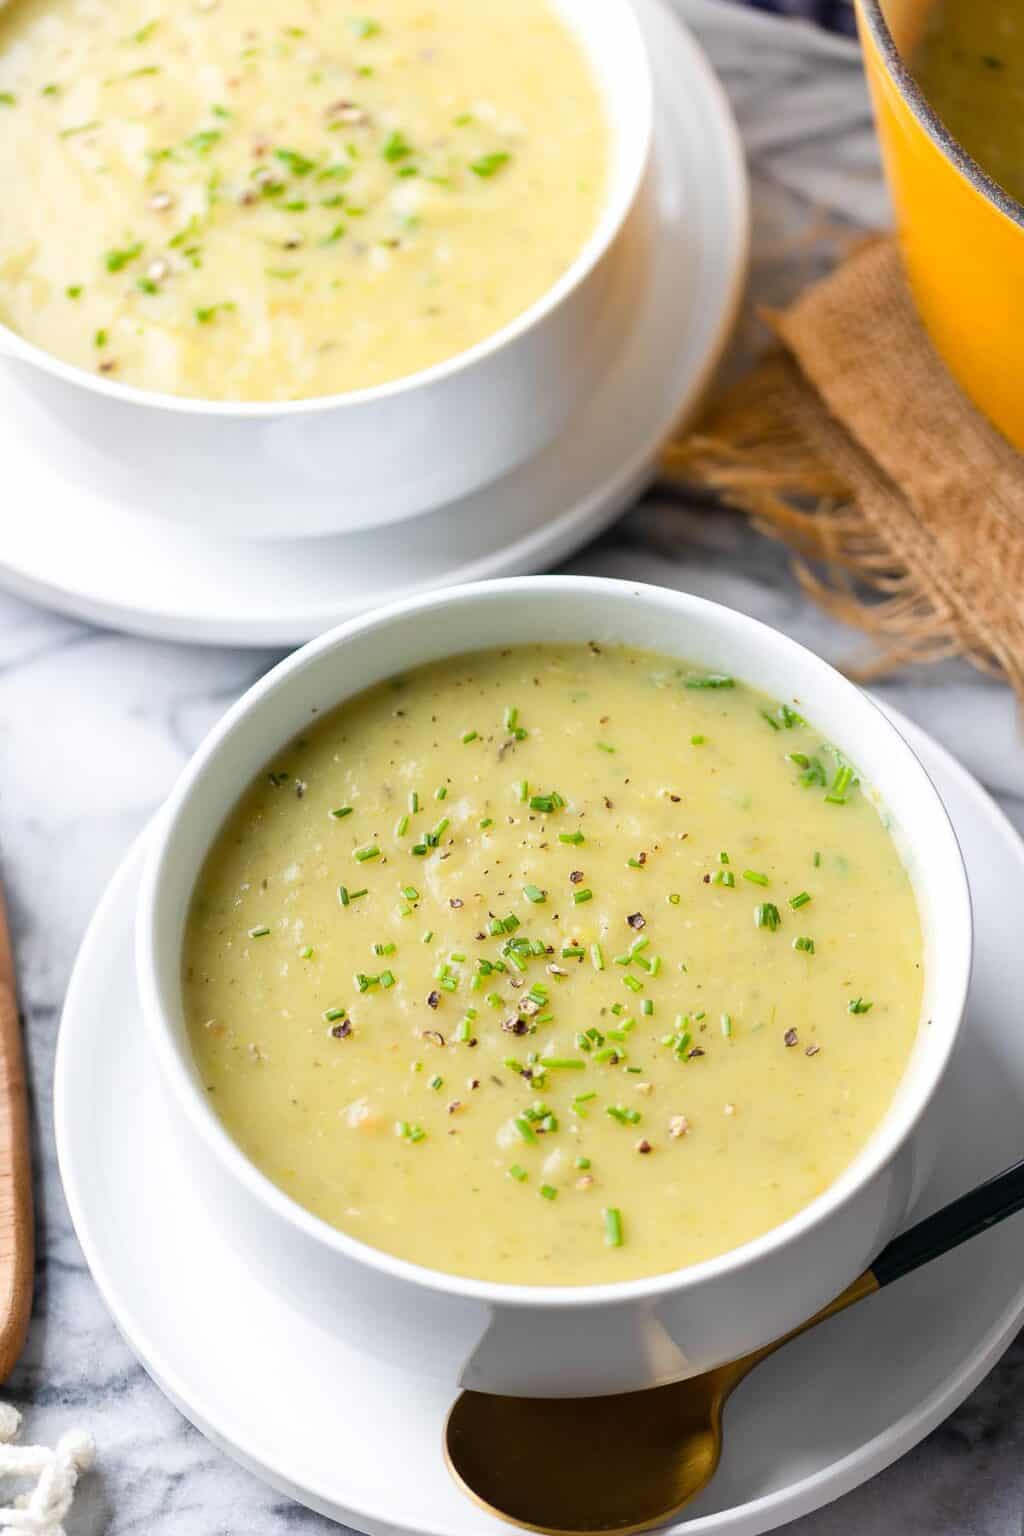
554, 965
970, 66
272, 199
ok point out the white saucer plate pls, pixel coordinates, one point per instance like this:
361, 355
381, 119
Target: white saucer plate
361, 1442
80, 553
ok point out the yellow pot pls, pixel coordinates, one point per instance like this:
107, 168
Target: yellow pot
962, 235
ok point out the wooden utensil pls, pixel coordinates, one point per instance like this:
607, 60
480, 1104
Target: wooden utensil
578, 1466
17, 1241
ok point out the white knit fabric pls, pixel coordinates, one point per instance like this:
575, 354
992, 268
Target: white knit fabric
42, 1511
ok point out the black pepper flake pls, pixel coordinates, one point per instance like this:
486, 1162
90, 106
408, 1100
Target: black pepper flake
515, 1025
812, 1050
706, 879
636, 920
697, 1051
791, 1037
576, 876
474, 1082
456, 902
643, 1146
434, 1035
433, 999
675, 799
341, 1031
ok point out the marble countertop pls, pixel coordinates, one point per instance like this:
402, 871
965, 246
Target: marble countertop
95, 726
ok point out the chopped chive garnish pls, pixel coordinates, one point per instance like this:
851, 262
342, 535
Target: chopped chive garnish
647, 1007
632, 983
410, 893
807, 945
724, 877
767, 916
548, 1191
402, 826
697, 741
534, 893
726, 1023
613, 1227
799, 759
331, 1015
469, 736
755, 877
115, 260
414, 802
489, 165
488, 821
562, 1063
674, 898
396, 148
816, 860
575, 838
711, 680
363, 855
524, 1128
306, 952
771, 720
840, 784
597, 957
262, 931
624, 1115
441, 792
342, 811
518, 1173
583, 1163
603, 746
796, 902
859, 1005
579, 897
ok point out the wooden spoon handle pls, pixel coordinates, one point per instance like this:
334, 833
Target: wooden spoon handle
17, 1247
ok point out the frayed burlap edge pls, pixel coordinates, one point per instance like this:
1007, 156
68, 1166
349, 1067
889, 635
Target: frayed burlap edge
927, 569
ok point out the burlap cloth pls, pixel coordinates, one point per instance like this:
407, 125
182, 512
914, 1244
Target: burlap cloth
852, 443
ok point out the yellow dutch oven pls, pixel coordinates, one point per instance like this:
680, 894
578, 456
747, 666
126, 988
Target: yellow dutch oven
962, 235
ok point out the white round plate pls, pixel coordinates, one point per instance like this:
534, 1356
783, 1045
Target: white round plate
71, 550
815, 1421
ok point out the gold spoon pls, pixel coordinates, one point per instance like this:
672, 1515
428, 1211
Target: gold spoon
649, 1453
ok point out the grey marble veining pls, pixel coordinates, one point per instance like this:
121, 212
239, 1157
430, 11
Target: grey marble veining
95, 726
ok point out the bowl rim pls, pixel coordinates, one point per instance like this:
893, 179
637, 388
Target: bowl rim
616, 207
889, 1136
927, 118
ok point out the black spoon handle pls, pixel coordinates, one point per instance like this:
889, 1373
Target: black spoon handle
980, 1208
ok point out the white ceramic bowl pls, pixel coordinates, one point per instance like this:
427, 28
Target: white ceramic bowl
373, 456
538, 1340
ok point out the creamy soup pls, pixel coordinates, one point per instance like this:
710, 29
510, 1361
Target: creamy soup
270, 199
970, 66
554, 965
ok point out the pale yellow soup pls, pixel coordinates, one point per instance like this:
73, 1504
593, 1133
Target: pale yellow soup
554, 965
273, 199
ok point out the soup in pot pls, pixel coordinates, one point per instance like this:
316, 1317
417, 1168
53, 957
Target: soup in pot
970, 66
